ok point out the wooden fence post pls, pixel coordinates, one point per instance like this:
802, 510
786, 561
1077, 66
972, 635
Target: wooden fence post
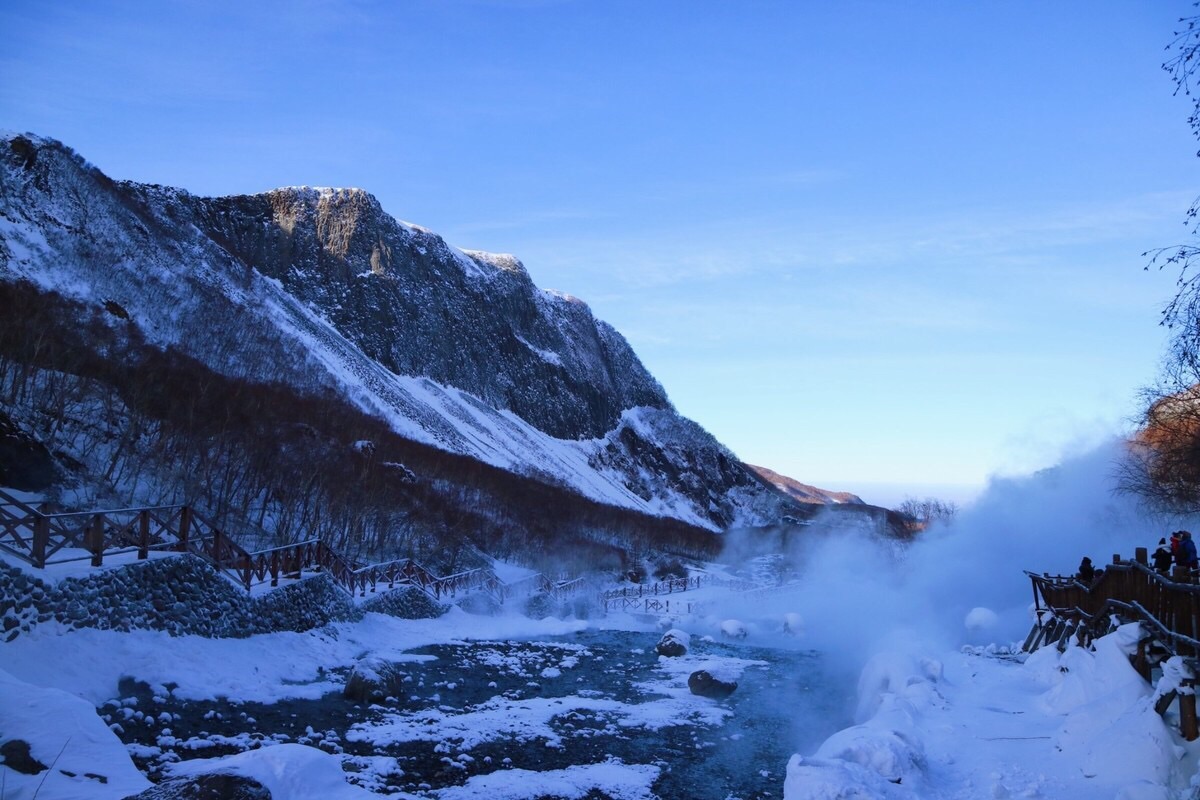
93, 539
143, 535
41, 541
1187, 712
1140, 556
1142, 664
185, 523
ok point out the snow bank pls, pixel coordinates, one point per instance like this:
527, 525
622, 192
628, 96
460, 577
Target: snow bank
1079, 724
84, 758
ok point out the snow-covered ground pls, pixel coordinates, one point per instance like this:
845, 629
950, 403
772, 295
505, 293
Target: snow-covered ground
945, 707
974, 722
981, 723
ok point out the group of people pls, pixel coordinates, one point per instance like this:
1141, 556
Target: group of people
1180, 551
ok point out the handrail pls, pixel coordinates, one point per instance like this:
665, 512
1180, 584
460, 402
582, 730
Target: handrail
60, 514
668, 586
1170, 607
36, 537
283, 547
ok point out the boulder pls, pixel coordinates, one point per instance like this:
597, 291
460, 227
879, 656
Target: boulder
373, 679
733, 629
673, 643
704, 683
213, 786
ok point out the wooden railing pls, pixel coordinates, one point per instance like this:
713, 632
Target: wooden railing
562, 589
644, 599
1169, 606
42, 538
669, 586
650, 604
1166, 606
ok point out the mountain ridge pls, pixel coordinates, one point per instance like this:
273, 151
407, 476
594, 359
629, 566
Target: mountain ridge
325, 291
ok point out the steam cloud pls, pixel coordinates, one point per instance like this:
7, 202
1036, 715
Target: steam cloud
963, 583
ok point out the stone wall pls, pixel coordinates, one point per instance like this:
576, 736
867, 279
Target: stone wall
185, 595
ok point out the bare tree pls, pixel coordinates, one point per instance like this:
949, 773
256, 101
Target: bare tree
925, 512
1163, 464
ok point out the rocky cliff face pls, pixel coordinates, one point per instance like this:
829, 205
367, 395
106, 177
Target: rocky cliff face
417, 306
320, 288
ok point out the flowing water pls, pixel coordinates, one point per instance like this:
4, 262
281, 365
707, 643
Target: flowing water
543, 704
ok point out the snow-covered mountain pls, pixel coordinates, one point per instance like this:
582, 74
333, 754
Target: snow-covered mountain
323, 290
803, 492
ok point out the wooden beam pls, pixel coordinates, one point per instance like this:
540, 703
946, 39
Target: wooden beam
93, 539
1187, 712
1140, 662
1165, 701
143, 535
41, 541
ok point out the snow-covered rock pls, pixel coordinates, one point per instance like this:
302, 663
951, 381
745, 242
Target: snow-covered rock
292, 771
673, 643
733, 629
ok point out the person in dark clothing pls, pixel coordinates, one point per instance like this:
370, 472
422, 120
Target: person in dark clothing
1162, 558
1187, 551
1086, 571
1176, 546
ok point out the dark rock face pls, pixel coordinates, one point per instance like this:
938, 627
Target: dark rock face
703, 683
215, 786
418, 306
184, 595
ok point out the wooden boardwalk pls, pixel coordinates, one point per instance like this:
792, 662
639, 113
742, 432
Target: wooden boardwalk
42, 537
1128, 590
1166, 606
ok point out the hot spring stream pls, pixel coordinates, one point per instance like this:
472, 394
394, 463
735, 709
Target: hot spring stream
544, 704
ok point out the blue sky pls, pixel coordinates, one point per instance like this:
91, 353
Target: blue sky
884, 247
